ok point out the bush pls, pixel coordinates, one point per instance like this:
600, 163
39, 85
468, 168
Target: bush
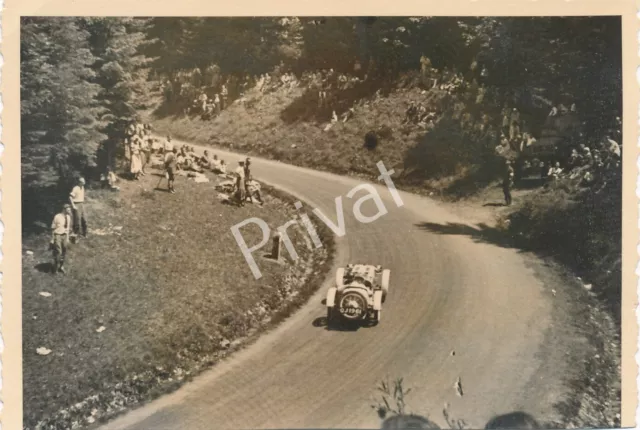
371, 140
582, 229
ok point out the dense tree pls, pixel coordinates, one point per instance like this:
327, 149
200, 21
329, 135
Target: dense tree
59, 105
122, 73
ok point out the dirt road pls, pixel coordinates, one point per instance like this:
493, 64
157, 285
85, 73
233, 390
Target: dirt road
458, 307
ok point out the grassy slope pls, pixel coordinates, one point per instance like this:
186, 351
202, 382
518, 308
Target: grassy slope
257, 127
168, 289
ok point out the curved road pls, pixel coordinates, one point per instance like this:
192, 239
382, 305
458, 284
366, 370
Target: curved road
449, 292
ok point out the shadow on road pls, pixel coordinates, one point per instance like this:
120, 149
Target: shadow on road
481, 233
336, 325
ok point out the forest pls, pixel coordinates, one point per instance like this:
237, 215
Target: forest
84, 80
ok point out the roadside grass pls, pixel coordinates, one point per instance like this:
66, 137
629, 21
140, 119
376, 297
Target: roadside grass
158, 291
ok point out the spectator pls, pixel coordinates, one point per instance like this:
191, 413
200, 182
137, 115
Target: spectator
240, 183
513, 420
109, 180
168, 145
555, 171
574, 159
136, 159
587, 158
77, 200
507, 182
614, 147
60, 237
170, 166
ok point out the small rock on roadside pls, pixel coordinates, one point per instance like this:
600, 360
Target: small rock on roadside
101, 329
588, 287
224, 343
29, 252
45, 294
43, 351
458, 387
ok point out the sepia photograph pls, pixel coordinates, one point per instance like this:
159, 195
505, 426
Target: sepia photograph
323, 221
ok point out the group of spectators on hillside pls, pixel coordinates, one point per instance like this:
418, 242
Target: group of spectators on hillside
593, 165
418, 114
445, 79
139, 145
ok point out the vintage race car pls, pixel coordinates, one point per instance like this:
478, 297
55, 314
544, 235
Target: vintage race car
359, 293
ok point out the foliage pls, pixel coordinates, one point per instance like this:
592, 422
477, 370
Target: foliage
61, 127
82, 81
392, 398
121, 71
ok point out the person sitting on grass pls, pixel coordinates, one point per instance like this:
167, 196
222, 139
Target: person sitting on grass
205, 160
215, 163
555, 171
109, 180
221, 167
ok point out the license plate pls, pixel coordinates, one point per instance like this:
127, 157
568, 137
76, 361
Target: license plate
351, 311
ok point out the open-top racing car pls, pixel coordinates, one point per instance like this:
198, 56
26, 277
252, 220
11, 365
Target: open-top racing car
359, 293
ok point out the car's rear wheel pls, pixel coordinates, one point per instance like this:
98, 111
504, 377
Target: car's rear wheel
353, 306
386, 275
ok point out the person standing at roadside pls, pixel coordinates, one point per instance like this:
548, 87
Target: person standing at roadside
60, 237
241, 183
77, 200
168, 145
507, 182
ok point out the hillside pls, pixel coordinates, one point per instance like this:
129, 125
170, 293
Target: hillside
275, 125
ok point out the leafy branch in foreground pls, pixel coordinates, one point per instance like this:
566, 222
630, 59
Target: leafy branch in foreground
392, 400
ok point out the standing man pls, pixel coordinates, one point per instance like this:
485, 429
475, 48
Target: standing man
240, 183
170, 165
60, 237
77, 200
168, 145
507, 183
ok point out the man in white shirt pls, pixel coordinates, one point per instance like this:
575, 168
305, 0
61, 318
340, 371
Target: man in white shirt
240, 183
168, 145
60, 237
77, 200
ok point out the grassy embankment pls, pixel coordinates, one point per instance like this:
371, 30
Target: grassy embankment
158, 292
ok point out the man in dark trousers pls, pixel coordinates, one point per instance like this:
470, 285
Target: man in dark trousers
77, 200
507, 182
170, 165
60, 228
